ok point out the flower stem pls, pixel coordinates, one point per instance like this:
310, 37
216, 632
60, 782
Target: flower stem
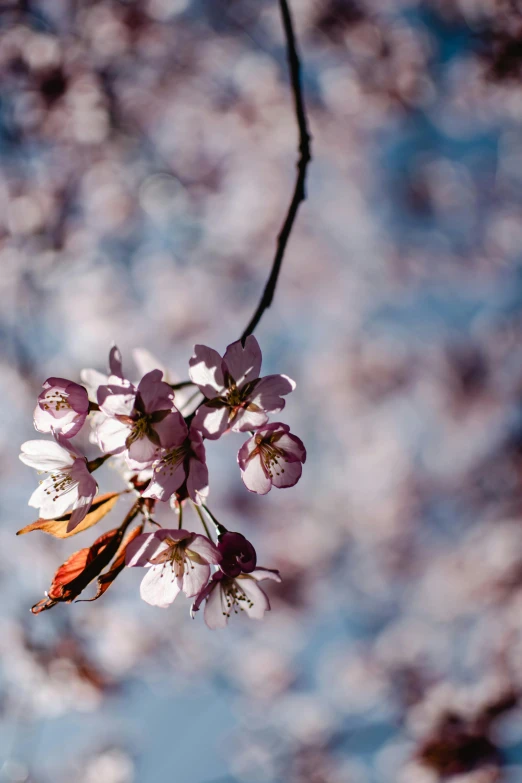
180, 520
211, 515
200, 515
220, 529
181, 385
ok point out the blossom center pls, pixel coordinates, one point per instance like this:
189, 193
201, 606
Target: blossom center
140, 428
272, 456
173, 457
235, 397
174, 555
235, 598
56, 401
61, 482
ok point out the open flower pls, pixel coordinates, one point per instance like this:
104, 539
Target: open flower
139, 421
62, 406
69, 485
272, 456
177, 561
225, 594
237, 554
183, 460
237, 398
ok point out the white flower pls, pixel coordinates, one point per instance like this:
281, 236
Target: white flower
69, 485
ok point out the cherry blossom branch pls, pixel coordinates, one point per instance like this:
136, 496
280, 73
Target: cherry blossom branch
305, 157
180, 385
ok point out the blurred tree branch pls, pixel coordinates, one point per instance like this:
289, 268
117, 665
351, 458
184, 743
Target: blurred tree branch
305, 157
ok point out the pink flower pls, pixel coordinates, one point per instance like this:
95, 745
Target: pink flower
225, 594
62, 406
183, 460
70, 485
238, 398
178, 561
139, 421
237, 554
272, 456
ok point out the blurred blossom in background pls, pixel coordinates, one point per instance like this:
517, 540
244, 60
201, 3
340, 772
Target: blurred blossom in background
148, 153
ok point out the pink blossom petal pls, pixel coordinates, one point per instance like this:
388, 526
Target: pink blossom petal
255, 476
206, 371
159, 586
140, 551
286, 474
292, 446
216, 610
243, 363
116, 400
68, 424
76, 396
203, 547
202, 596
111, 435
52, 505
257, 597
42, 420
172, 430
72, 428
196, 444
45, 455
115, 362
266, 573
212, 422
197, 481
195, 578
174, 534
166, 479
246, 420
81, 507
142, 451
268, 392
155, 393
245, 451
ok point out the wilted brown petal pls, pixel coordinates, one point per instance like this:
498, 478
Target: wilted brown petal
85, 565
58, 527
106, 579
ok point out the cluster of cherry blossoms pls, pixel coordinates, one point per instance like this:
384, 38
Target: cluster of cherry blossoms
153, 431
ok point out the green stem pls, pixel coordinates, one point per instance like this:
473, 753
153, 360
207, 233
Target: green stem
180, 516
220, 529
181, 385
200, 515
211, 515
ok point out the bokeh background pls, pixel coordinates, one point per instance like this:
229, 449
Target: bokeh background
148, 155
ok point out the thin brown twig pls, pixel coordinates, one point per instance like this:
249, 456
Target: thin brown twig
305, 157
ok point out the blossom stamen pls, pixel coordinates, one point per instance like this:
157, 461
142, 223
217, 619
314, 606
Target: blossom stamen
55, 401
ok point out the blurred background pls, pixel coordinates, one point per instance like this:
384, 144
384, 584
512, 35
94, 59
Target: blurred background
148, 153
